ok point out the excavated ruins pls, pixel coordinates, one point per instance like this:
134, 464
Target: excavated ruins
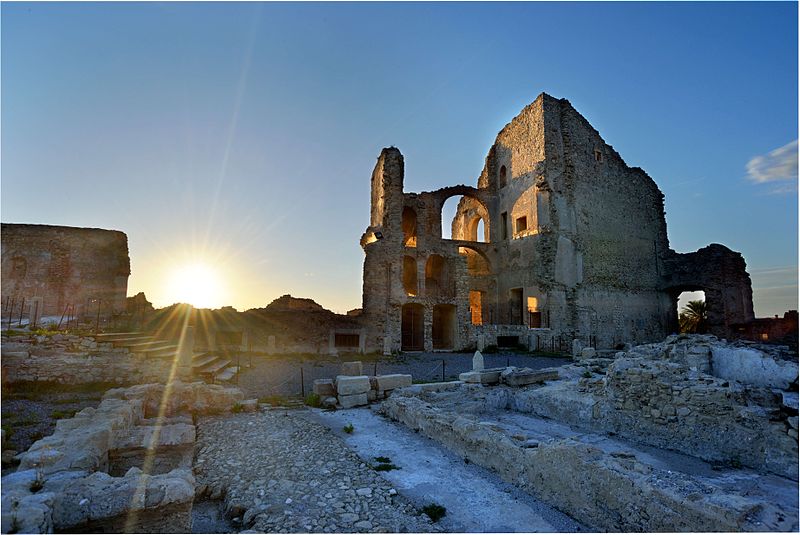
685, 435
124, 467
561, 246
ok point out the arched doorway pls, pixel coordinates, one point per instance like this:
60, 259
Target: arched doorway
412, 327
443, 329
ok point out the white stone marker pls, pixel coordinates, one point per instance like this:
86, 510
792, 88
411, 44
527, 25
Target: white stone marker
477, 362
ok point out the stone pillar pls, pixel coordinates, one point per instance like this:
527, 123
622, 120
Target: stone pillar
387, 344
477, 362
332, 343
577, 347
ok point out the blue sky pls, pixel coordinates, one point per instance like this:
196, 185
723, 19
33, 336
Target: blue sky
243, 135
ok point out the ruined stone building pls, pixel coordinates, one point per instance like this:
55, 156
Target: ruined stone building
47, 268
573, 246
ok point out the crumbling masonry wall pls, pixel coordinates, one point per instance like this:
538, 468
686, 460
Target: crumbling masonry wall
574, 247
60, 266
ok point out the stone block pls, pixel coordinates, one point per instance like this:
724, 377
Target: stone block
349, 385
588, 353
329, 402
372, 395
351, 368
486, 377
324, 388
354, 400
390, 382
527, 376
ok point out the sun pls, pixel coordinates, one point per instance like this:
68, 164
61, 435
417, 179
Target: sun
196, 284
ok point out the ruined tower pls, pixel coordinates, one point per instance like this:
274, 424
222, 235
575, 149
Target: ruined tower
560, 240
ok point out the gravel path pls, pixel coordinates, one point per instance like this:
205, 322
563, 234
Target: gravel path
281, 472
280, 375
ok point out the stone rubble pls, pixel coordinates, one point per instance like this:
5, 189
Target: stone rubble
279, 472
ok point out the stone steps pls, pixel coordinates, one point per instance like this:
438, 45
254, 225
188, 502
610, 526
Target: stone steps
131, 340
227, 374
108, 337
201, 359
214, 367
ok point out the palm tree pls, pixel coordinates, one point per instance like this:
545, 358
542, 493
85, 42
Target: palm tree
692, 318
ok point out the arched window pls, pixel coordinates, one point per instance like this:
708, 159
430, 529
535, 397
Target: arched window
438, 282
409, 227
410, 275
465, 218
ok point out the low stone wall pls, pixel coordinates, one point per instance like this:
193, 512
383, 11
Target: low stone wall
70, 359
67, 481
612, 491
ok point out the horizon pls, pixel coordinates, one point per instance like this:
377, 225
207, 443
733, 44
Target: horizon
240, 138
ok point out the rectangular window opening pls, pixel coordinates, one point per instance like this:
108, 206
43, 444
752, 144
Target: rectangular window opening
346, 340
521, 224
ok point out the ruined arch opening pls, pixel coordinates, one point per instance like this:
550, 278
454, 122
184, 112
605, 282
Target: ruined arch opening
443, 328
410, 283
502, 176
412, 325
438, 280
409, 224
692, 312
477, 264
465, 218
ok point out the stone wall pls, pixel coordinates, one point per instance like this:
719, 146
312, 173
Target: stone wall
71, 359
60, 266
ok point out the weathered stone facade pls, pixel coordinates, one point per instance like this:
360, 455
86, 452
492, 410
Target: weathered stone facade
574, 246
61, 266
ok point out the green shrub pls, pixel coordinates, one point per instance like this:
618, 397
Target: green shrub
348, 429
237, 408
586, 374
434, 511
384, 465
313, 400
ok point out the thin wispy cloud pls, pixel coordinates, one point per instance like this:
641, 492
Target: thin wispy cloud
777, 168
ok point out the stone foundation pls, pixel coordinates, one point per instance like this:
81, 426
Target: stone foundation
608, 487
123, 467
